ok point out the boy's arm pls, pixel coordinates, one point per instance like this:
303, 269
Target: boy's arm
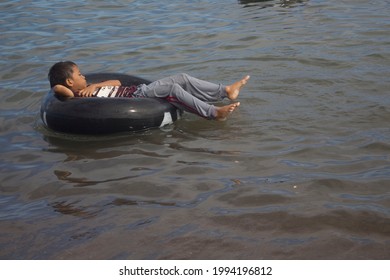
90, 89
62, 91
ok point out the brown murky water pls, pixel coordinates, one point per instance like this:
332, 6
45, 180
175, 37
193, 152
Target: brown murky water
300, 171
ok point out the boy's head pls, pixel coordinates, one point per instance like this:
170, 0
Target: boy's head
67, 73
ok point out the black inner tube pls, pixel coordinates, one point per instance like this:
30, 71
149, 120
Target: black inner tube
89, 115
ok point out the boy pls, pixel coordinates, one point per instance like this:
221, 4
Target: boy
181, 90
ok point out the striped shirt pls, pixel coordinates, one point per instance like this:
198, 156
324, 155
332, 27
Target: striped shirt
115, 91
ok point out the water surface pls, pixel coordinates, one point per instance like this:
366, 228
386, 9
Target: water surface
300, 171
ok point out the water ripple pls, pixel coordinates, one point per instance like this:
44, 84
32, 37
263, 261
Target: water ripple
303, 163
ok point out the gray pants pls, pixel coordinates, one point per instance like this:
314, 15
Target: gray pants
187, 93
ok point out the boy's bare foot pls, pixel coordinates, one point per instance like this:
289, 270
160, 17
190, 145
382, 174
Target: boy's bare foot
223, 112
234, 89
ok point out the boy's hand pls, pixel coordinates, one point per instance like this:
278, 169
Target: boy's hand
88, 91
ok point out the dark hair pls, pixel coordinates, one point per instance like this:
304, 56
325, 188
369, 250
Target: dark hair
59, 72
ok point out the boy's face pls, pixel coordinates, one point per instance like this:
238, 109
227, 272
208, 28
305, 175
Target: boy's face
77, 82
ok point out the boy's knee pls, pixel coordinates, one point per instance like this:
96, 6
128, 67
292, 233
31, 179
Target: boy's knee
183, 76
176, 88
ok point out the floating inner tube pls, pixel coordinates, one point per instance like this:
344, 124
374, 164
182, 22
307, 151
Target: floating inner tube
93, 115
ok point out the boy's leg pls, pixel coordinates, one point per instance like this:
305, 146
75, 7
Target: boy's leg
202, 90
207, 91
190, 103
189, 93
175, 94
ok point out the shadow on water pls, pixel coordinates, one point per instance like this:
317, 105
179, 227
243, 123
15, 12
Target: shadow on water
271, 3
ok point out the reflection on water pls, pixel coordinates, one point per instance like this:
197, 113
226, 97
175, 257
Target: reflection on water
300, 171
271, 3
